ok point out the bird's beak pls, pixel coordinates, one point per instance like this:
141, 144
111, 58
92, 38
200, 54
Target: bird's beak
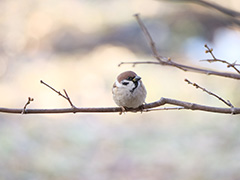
136, 79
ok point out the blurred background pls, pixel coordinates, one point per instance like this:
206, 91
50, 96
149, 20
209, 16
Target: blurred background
77, 45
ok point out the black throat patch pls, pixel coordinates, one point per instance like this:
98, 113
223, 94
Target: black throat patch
136, 85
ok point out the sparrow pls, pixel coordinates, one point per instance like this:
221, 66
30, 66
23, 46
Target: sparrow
128, 90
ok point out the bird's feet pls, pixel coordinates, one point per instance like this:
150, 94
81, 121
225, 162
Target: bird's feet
123, 110
141, 108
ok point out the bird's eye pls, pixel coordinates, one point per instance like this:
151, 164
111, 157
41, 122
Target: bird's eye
125, 83
130, 78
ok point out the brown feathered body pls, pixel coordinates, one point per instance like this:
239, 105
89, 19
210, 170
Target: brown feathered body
128, 90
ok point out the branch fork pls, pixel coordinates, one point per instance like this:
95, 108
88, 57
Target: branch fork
60, 94
214, 59
27, 103
168, 62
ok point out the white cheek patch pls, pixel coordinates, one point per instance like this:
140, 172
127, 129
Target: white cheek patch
118, 84
129, 86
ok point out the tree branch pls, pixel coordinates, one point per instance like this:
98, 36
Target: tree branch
168, 62
210, 50
60, 94
222, 9
228, 103
187, 68
153, 106
146, 108
234, 15
149, 39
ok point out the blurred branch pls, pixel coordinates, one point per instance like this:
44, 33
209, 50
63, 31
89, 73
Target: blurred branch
168, 62
146, 107
222, 9
229, 12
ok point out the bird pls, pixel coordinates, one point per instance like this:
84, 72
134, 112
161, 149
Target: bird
128, 91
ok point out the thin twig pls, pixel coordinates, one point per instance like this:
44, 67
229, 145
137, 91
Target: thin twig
210, 50
210, 93
59, 93
187, 68
139, 62
149, 38
68, 98
27, 103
